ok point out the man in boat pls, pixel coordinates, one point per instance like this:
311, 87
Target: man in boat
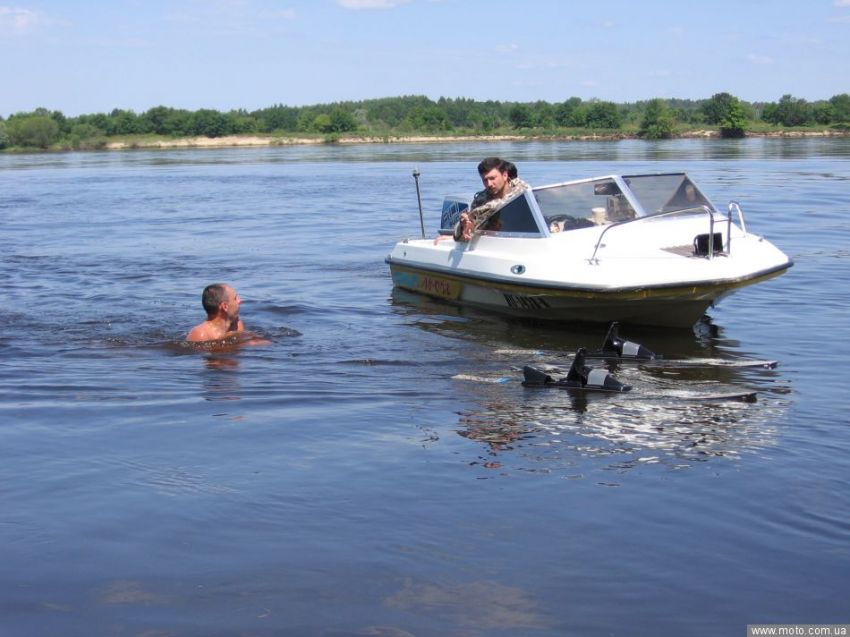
221, 303
500, 186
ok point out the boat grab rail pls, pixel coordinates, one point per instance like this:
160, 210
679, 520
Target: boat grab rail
737, 207
704, 208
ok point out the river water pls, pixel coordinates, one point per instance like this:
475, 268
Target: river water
361, 474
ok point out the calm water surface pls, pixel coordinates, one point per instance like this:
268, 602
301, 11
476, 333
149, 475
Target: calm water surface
351, 477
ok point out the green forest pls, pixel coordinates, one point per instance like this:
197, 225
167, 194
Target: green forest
395, 117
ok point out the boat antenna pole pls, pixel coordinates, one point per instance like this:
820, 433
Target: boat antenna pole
419, 200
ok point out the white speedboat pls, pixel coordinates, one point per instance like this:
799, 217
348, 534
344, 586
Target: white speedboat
640, 249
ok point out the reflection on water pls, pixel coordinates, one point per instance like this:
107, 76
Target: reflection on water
221, 380
507, 333
672, 416
478, 605
614, 151
551, 430
131, 592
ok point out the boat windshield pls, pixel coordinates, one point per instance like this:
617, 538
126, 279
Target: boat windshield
666, 193
583, 204
602, 201
515, 217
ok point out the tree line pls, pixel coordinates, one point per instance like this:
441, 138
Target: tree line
416, 114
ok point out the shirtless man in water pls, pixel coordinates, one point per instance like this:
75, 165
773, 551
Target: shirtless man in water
221, 303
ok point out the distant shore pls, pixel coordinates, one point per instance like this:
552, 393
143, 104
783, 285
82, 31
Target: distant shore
269, 140
151, 142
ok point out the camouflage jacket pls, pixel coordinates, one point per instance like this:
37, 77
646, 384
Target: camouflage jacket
483, 206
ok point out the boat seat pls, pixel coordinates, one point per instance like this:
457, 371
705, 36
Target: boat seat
618, 208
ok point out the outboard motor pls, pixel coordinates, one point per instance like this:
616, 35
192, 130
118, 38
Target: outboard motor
616, 347
579, 377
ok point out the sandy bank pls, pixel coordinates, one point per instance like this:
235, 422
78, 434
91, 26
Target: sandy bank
268, 140
259, 140
210, 142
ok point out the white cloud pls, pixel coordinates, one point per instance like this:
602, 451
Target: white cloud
507, 48
840, 18
370, 4
755, 58
18, 21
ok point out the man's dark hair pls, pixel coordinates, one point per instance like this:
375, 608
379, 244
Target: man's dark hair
510, 168
213, 296
489, 163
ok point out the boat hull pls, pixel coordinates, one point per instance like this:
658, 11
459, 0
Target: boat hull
670, 306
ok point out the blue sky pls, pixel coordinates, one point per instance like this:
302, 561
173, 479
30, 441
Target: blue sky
95, 55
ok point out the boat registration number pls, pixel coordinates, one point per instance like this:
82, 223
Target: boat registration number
427, 284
